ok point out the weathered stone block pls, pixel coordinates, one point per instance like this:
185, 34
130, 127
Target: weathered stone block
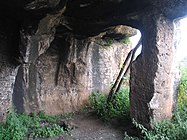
152, 91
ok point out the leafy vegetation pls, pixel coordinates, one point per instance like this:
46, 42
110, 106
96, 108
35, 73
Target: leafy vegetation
110, 41
118, 109
126, 40
23, 126
176, 129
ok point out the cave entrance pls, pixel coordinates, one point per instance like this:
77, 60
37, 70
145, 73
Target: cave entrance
167, 59
134, 40
181, 33
181, 62
122, 80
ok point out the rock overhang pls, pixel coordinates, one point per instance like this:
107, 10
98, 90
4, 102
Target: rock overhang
90, 17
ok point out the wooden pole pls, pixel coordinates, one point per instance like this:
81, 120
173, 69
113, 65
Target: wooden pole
115, 88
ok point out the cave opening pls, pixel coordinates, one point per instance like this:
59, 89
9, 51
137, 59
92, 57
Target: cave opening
58, 74
181, 33
180, 44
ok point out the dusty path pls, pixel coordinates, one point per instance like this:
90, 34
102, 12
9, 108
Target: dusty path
88, 127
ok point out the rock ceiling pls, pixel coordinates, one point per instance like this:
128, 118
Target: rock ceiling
89, 17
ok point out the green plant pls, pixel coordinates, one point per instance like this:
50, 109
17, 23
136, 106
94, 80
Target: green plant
21, 126
118, 109
51, 130
182, 96
127, 137
13, 129
108, 42
126, 40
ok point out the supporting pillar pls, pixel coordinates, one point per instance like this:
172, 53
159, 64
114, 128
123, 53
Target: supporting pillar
26, 96
151, 82
33, 43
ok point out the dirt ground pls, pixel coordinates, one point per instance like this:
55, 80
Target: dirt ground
87, 126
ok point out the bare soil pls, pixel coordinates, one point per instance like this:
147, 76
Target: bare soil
87, 126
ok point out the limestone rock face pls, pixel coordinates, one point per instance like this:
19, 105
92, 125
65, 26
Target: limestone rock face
8, 64
62, 78
119, 32
33, 43
36, 34
104, 64
57, 72
41, 4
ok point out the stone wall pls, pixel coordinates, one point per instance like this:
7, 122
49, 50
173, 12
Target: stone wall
8, 64
152, 78
62, 78
7, 79
26, 89
104, 65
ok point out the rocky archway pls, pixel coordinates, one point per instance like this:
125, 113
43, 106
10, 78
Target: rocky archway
59, 79
151, 86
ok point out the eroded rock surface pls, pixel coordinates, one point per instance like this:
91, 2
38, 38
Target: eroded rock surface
151, 74
28, 28
8, 63
61, 80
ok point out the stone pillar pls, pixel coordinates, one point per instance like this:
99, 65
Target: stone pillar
151, 81
36, 37
27, 86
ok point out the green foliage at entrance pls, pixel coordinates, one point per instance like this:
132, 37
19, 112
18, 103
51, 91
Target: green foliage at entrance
110, 41
116, 110
126, 40
23, 126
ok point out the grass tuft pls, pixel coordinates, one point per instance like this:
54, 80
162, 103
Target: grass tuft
175, 129
117, 110
23, 126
